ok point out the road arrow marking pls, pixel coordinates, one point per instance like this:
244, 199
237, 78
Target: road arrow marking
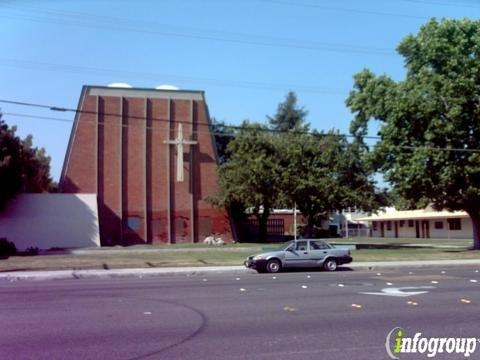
399, 292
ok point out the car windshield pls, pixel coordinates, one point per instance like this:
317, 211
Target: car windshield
284, 246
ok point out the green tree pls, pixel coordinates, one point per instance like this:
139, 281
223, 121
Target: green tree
23, 168
430, 121
323, 173
223, 134
250, 178
289, 115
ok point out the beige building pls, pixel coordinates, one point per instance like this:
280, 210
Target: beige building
420, 224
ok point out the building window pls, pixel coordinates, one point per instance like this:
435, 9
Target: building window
455, 224
133, 223
438, 224
389, 225
410, 223
375, 226
402, 223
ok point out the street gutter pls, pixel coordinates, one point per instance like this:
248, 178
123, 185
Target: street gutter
188, 271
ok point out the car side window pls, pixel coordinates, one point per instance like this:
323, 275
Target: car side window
318, 245
301, 246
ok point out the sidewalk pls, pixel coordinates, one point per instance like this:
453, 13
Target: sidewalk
115, 273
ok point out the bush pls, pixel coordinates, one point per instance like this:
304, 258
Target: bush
31, 251
7, 248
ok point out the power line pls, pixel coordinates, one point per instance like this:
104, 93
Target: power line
111, 23
442, 3
75, 69
233, 127
343, 9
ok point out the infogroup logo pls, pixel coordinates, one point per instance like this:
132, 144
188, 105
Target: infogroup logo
397, 343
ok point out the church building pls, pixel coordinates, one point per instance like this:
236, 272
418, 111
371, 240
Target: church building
150, 157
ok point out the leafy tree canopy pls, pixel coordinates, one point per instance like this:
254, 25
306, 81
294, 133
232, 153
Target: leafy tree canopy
251, 175
430, 121
223, 134
289, 115
323, 173
23, 168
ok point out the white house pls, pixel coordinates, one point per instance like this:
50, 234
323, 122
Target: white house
420, 224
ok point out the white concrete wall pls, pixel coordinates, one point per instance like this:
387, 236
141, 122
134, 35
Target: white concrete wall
405, 231
466, 231
51, 220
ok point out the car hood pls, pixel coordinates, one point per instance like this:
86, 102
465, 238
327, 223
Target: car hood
269, 254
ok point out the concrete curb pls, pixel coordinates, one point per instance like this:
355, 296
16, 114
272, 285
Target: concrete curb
142, 272
393, 265
116, 273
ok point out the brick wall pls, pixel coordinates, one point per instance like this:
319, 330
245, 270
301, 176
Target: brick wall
117, 151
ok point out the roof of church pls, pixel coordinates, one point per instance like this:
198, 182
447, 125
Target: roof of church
427, 213
144, 92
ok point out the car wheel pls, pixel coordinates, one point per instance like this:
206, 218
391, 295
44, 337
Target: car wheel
330, 265
273, 266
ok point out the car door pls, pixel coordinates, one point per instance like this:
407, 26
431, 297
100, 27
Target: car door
318, 251
298, 255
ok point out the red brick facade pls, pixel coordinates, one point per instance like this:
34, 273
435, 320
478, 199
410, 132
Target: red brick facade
117, 150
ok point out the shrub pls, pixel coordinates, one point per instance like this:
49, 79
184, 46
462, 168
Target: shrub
31, 251
7, 248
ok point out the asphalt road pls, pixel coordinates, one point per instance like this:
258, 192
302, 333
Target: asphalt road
300, 315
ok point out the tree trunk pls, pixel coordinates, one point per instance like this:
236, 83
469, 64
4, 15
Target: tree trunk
309, 227
262, 225
475, 217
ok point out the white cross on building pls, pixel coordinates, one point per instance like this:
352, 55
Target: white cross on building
180, 141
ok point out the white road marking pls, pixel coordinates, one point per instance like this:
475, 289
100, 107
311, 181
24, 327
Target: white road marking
399, 292
473, 281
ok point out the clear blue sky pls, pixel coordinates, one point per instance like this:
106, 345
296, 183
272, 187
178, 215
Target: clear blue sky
245, 54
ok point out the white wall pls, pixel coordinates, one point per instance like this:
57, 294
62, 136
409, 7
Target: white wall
51, 220
466, 231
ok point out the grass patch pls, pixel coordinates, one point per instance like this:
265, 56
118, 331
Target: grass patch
202, 255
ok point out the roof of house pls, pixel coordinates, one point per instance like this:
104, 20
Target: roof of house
427, 213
